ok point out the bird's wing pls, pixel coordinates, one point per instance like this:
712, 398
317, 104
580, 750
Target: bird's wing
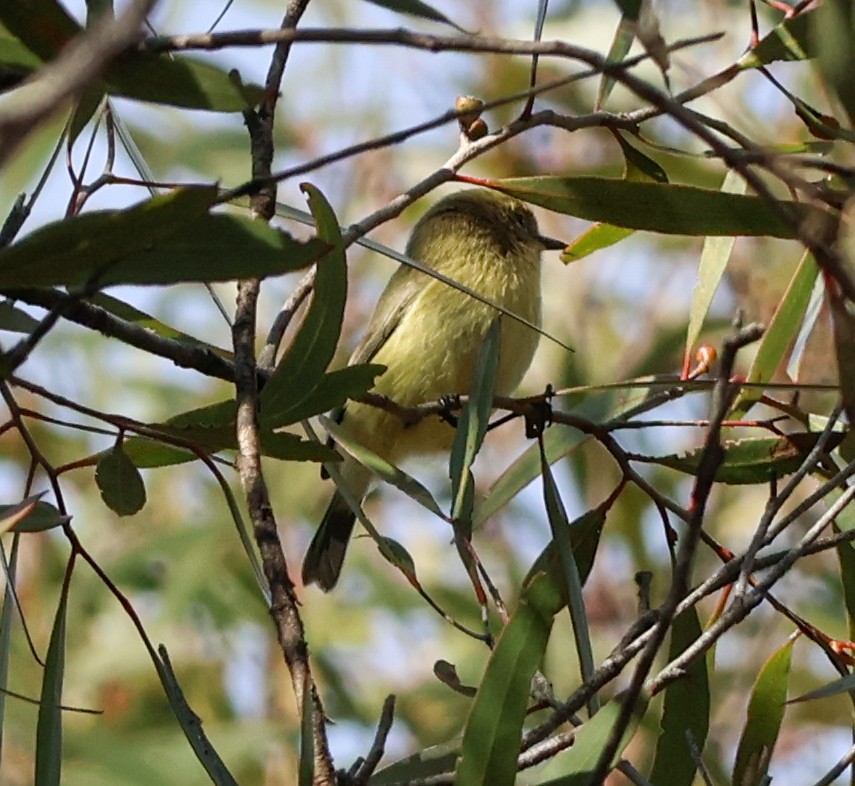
403, 288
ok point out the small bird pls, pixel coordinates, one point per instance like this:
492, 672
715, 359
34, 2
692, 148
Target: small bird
428, 335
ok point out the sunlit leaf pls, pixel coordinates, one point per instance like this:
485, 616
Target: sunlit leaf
657, 207
765, 713
593, 239
790, 40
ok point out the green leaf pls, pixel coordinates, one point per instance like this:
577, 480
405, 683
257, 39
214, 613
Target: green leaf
472, 427
714, 258
843, 322
6, 615
833, 30
436, 760
593, 239
621, 44
765, 713
752, 460
491, 739
780, 333
382, 468
178, 81
834, 688
686, 710
302, 369
638, 167
49, 724
571, 581
30, 515
577, 764
167, 239
120, 482
42, 26
657, 207
149, 453
417, 8
122, 310
558, 442
790, 40
212, 428
333, 390
189, 721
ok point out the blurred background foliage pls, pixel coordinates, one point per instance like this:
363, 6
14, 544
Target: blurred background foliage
623, 310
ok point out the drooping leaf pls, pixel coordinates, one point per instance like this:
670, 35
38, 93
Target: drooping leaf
656, 207
120, 482
471, 429
49, 724
167, 239
714, 258
571, 581
621, 44
780, 333
382, 468
491, 739
686, 710
752, 460
833, 29
302, 369
765, 713
6, 615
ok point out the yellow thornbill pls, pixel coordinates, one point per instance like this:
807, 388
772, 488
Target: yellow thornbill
428, 335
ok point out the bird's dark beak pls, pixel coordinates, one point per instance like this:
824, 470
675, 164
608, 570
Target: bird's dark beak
551, 244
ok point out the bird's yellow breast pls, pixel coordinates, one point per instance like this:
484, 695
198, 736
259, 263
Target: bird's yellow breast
433, 350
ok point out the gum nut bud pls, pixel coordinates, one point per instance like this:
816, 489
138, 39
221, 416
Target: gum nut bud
471, 109
706, 355
477, 129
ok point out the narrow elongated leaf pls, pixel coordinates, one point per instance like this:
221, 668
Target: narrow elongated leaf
42, 26
656, 207
333, 390
686, 711
436, 760
129, 313
593, 239
752, 460
558, 442
780, 333
843, 321
834, 688
178, 81
472, 427
382, 468
834, 26
571, 579
714, 258
164, 240
621, 44
577, 764
49, 724
120, 482
491, 739
6, 615
14, 320
417, 8
790, 40
765, 713
190, 722
302, 368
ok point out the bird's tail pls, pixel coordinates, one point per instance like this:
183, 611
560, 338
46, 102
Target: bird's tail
325, 555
